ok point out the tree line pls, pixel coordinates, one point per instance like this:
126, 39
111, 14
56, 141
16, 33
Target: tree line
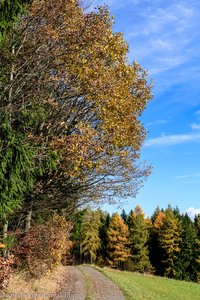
167, 244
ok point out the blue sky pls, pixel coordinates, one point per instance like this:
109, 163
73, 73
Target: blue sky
164, 37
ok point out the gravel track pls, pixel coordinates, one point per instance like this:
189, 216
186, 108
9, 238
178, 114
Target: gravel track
86, 281
74, 287
102, 287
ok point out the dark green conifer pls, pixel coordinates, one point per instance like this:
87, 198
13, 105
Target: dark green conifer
138, 236
10, 10
169, 241
186, 265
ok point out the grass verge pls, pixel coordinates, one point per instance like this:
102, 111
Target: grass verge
146, 287
89, 289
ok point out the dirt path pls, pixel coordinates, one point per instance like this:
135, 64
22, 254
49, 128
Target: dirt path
86, 283
74, 287
102, 288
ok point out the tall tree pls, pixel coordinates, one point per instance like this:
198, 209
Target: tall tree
155, 251
16, 154
124, 216
76, 235
197, 248
16, 169
169, 241
138, 237
186, 266
118, 245
77, 101
103, 234
90, 234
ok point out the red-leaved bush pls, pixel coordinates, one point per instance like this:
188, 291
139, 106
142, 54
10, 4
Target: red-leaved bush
44, 246
5, 270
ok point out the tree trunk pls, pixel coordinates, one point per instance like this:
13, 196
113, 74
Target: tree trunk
28, 220
5, 229
5, 234
80, 253
11, 79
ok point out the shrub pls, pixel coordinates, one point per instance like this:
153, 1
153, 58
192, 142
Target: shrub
43, 247
5, 270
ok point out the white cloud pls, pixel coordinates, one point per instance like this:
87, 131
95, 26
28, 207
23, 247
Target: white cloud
163, 37
195, 126
170, 140
192, 212
161, 44
158, 122
164, 40
188, 176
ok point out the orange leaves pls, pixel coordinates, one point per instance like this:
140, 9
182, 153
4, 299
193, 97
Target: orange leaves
5, 270
43, 247
159, 220
118, 250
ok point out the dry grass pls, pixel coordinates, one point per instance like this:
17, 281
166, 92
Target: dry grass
47, 285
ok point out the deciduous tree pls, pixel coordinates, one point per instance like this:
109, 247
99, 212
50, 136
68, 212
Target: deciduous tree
90, 234
77, 100
118, 244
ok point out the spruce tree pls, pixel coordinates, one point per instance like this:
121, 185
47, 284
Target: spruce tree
138, 237
103, 234
10, 10
169, 241
155, 251
124, 216
17, 168
76, 238
186, 264
197, 248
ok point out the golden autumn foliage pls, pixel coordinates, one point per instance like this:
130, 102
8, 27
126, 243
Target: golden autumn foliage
167, 232
118, 250
90, 240
169, 238
74, 94
159, 221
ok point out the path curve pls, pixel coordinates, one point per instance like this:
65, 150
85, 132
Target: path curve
102, 287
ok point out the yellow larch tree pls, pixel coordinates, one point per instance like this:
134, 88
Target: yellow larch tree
118, 245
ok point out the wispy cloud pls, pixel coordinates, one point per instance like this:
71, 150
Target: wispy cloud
171, 140
163, 37
162, 32
193, 211
195, 126
188, 176
158, 122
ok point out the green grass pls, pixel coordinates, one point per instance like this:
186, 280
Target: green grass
137, 286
